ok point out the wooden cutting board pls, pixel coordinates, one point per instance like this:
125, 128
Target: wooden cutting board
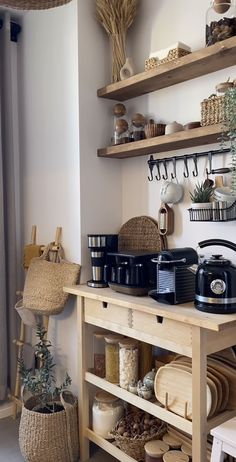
230, 374
224, 383
178, 384
214, 387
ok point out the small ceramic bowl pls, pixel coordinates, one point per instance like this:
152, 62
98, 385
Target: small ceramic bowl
173, 127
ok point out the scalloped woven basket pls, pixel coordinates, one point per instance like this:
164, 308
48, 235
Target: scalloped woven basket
134, 447
140, 233
33, 4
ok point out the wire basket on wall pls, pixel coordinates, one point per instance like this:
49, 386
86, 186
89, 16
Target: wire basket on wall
216, 213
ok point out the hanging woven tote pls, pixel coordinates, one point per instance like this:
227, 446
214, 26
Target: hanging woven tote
43, 290
49, 437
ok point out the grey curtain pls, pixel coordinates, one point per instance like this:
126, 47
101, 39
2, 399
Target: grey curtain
10, 207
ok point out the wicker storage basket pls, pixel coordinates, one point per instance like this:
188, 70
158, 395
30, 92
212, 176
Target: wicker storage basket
151, 63
213, 110
134, 446
151, 129
49, 437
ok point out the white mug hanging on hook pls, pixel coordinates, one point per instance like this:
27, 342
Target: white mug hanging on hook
171, 192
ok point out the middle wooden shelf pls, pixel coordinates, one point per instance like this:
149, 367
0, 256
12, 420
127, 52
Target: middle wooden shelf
160, 144
154, 408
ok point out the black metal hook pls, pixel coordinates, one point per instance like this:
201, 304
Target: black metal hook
208, 172
165, 177
158, 176
186, 172
195, 171
151, 167
173, 174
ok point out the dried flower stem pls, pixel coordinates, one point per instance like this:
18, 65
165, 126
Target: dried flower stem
116, 16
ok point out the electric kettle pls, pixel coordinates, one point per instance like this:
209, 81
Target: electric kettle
215, 283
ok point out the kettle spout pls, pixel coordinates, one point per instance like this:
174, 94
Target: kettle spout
193, 269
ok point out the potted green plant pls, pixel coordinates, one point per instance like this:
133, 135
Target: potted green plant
48, 427
201, 196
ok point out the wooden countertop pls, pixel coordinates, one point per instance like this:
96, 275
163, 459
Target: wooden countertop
185, 313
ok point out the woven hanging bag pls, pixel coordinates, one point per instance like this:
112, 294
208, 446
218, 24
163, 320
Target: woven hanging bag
49, 437
43, 290
33, 4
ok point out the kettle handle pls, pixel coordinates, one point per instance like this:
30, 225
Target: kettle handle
222, 242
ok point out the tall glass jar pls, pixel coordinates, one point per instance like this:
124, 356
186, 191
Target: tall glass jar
128, 362
112, 357
106, 411
220, 21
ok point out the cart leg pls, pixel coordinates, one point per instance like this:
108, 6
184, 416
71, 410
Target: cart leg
199, 383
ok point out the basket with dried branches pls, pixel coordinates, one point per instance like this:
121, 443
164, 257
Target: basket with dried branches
116, 17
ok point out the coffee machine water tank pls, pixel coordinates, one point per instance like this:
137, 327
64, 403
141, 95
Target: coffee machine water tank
99, 245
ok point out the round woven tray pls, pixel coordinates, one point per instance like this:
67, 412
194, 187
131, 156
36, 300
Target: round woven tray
140, 233
33, 4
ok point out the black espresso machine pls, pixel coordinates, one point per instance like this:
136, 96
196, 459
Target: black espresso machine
175, 283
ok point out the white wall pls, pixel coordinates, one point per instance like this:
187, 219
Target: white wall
50, 146
158, 25
63, 123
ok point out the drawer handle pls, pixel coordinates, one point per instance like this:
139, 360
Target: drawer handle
104, 304
159, 319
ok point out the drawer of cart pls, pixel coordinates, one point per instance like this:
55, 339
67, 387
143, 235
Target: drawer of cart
162, 328
104, 311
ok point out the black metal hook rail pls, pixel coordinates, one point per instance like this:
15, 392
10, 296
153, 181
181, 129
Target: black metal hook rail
185, 157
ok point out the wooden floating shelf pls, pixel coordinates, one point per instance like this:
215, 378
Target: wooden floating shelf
201, 62
159, 144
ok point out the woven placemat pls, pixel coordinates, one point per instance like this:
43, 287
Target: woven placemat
140, 233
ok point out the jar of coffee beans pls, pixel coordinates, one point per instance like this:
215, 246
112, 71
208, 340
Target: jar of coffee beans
220, 21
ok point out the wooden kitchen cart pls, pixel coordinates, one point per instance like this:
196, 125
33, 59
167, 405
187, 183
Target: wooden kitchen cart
179, 328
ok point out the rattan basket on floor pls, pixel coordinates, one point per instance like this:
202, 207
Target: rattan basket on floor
49, 437
213, 110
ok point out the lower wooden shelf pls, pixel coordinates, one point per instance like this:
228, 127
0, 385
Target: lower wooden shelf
154, 408
107, 446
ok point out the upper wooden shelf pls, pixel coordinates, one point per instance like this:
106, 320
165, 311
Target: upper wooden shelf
180, 140
201, 62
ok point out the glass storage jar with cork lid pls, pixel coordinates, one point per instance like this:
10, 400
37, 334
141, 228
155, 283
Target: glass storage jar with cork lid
106, 411
175, 456
220, 21
154, 451
128, 359
112, 357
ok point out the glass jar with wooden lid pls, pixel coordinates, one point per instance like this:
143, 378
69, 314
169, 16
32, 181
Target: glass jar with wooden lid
220, 21
154, 451
106, 411
128, 360
172, 441
175, 456
112, 357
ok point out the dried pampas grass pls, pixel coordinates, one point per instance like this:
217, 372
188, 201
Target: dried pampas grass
116, 16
